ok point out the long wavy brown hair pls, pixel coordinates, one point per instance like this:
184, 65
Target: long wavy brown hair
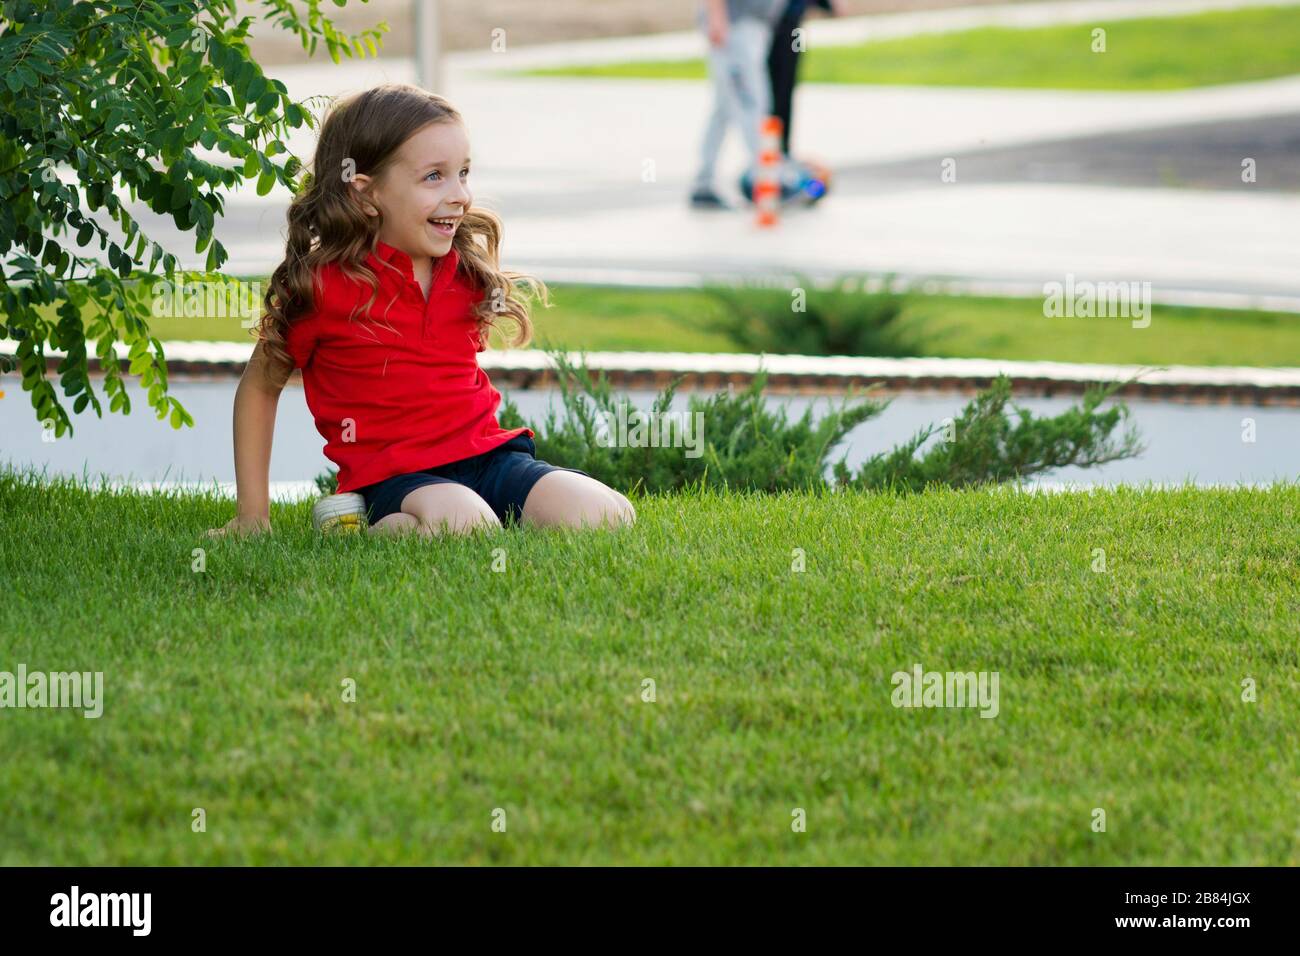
327, 224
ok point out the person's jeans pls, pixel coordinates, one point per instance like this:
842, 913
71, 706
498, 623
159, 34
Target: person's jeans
742, 93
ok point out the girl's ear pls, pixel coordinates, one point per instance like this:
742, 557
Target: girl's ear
360, 186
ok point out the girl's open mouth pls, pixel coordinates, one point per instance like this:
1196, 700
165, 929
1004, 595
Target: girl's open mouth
446, 226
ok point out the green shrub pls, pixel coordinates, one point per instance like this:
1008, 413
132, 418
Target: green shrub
988, 447
844, 319
745, 445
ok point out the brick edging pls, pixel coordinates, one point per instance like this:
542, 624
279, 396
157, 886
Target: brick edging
828, 384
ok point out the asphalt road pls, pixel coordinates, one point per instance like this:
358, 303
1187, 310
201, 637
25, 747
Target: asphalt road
1191, 156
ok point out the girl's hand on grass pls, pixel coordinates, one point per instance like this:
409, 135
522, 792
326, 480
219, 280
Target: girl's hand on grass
242, 524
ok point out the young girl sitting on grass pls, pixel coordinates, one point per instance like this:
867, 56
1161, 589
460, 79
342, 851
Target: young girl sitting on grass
388, 289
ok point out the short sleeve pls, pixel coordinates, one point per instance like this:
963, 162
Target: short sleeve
304, 332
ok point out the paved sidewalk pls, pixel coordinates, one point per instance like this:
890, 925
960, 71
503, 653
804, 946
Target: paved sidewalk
564, 159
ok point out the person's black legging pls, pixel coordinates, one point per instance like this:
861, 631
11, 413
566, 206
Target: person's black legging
783, 65
783, 69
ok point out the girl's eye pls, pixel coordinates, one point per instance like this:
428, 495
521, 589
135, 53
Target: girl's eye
434, 173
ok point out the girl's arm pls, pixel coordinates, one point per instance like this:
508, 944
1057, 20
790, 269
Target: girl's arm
256, 399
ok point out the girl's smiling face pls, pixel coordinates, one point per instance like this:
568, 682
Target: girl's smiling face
423, 191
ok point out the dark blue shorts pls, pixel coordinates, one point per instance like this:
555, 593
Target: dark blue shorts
502, 477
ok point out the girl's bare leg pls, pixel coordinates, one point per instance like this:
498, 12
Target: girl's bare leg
576, 501
447, 509
397, 523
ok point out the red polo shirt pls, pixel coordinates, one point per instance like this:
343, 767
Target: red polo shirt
397, 389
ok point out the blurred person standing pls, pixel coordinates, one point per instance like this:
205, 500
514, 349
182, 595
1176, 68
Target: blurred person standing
783, 59
740, 38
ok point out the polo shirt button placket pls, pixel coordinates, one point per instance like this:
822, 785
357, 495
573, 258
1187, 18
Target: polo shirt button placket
429, 321
417, 297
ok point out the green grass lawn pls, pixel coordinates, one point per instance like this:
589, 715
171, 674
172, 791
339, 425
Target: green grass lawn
1159, 53
595, 318
522, 690
959, 327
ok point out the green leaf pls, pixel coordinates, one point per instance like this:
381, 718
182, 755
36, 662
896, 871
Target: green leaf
244, 79
218, 53
256, 87
78, 87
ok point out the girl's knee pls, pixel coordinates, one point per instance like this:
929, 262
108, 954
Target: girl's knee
616, 511
464, 522
396, 523
621, 512
577, 501
449, 509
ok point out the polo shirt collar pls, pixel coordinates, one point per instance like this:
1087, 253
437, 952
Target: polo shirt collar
443, 268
